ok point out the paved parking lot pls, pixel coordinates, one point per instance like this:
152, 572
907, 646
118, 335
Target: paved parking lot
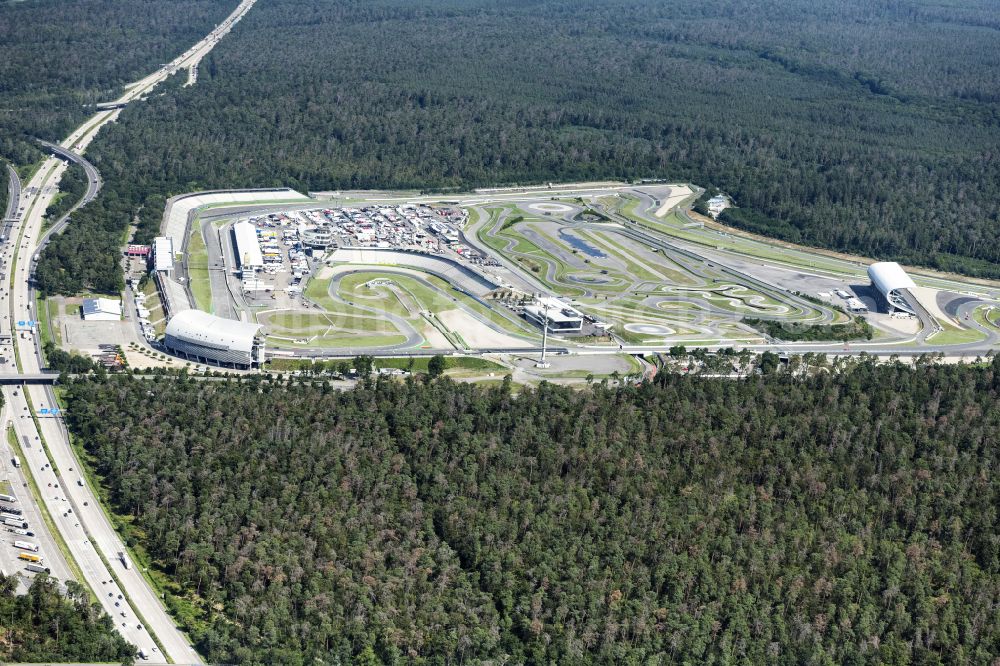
88, 336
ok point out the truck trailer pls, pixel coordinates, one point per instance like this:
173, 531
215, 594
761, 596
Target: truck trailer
26, 545
14, 522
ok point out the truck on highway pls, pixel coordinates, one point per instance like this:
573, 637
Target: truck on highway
124, 559
28, 557
37, 568
26, 545
15, 462
7, 498
14, 522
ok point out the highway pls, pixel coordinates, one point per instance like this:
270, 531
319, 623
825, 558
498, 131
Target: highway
134, 606
56, 487
94, 184
16, 476
13, 201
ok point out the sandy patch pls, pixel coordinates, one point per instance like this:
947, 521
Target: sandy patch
678, 193
477, 334
435, 338
928, 299
136, 359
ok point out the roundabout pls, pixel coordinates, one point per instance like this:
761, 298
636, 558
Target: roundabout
649, 329
549, 207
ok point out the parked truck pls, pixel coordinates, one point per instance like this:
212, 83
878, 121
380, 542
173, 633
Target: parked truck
37, 568
21, 531
29, 557
7, 498
14, 522
10, 509
26, 545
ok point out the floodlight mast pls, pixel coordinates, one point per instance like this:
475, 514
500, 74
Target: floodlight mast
545, 334
545, 329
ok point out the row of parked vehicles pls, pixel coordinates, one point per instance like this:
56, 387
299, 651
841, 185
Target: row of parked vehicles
13, 520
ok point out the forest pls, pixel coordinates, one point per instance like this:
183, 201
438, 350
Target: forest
44, 625
849, 517
822, 129
58, 56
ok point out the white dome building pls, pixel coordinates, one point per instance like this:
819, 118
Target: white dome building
205, 338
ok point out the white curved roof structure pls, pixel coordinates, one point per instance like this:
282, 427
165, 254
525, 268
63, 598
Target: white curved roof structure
248, 252
198, 334
890, 279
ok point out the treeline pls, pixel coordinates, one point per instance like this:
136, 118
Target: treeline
45, 626
824, 131
67, 361
850, 517
857, 329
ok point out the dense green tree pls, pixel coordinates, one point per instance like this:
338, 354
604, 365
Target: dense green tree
436, 366
64, 361
846, 518
44, 625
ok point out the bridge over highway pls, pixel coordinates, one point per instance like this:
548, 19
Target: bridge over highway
30, 378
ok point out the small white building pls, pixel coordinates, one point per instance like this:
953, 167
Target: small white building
163, 254
717, 204
856, 305
251, 285
556, 315
101, 309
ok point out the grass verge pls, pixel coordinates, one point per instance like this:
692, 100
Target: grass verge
197, 268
